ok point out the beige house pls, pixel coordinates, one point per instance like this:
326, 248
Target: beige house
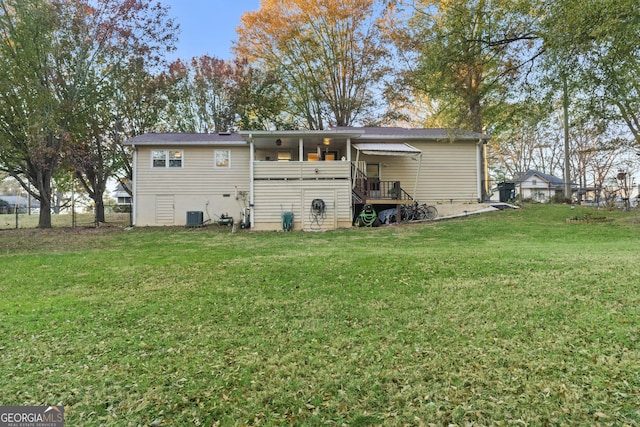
322, 177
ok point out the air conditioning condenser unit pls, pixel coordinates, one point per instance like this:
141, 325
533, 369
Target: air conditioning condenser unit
195, 219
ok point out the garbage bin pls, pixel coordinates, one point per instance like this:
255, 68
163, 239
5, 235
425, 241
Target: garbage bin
507, 191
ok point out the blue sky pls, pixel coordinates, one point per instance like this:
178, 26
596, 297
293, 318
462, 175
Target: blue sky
207, 27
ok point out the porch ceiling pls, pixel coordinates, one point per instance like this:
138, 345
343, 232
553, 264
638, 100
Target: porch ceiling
290, 139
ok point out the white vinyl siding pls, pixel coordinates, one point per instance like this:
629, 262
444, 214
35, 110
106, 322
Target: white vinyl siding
448, 172
272, 198
196, 186
291, 186
302, 170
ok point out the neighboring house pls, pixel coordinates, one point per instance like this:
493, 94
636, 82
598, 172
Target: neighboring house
122, 196
8, 204
322, 177
540, 187
4, 206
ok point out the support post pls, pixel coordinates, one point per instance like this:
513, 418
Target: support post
415, 186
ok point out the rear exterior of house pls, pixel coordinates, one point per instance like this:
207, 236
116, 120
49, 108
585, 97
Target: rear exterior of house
322, 177
179, 173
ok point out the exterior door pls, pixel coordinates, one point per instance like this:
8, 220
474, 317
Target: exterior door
373, 180
165, 209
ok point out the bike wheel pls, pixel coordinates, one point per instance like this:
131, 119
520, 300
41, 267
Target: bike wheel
421, 213
431, 212
405, 213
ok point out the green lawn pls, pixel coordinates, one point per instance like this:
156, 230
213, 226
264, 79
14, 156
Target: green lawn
508, 318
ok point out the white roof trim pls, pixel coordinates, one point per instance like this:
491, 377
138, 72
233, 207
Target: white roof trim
385, 149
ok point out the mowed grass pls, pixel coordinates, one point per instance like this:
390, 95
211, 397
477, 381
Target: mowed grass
507, 318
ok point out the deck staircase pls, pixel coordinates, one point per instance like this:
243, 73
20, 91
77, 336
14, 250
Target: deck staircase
373, 190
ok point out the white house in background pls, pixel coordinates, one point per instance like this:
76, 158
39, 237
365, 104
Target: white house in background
540, 187
323, 177
8, 204
122, 196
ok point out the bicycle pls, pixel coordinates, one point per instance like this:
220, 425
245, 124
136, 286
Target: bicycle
418, 212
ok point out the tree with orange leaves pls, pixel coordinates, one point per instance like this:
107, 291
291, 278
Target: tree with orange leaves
328, 54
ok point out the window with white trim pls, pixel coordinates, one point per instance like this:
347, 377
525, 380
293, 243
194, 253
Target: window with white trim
166, 158
222, 159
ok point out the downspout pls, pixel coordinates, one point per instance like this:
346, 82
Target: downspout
415, 187
251, 186
351, 210
485, 171
480, 171
134, 186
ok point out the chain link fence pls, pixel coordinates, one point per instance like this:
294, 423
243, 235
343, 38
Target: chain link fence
12, 217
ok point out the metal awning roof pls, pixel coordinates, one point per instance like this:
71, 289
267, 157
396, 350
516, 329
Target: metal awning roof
385, 149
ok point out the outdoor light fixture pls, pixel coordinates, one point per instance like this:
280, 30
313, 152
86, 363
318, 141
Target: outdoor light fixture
326, 141
278, 142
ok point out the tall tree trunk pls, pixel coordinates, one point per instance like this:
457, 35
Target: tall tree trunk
99, 206
44, 219
43, 184
99, 202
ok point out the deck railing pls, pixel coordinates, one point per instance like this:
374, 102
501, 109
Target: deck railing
301, 170
366, 188
377, 189
373, 188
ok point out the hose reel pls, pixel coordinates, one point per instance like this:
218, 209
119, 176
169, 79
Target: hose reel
318, 206
317, 213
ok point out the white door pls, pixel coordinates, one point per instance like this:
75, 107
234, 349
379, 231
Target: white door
165, 210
